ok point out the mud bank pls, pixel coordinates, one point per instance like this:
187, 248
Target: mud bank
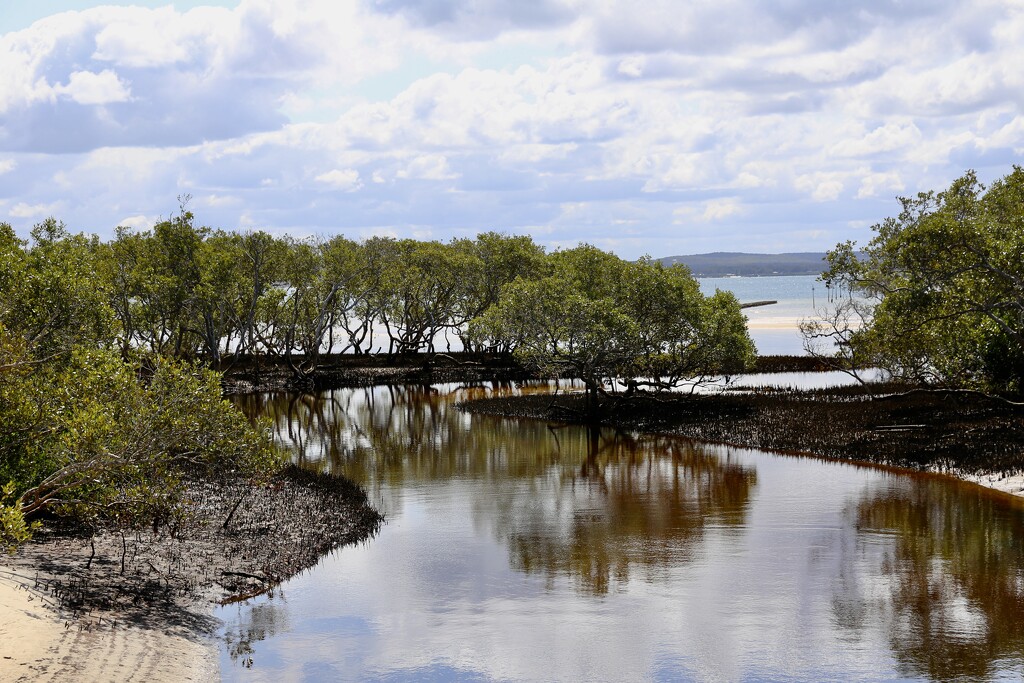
255, 374
972, 437
136, 604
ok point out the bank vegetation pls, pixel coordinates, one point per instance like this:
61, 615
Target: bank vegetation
112, 353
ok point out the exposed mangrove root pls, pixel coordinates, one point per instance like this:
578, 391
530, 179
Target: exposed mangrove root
277, 531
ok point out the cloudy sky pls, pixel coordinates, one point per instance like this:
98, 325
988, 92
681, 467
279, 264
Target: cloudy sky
659, 127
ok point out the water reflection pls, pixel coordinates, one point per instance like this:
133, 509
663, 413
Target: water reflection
705, 562
628, 504
593, 502
953, 573
254, 623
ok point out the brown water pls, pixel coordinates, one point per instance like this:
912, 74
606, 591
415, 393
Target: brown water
522, 551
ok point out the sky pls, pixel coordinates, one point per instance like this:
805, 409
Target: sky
662, 127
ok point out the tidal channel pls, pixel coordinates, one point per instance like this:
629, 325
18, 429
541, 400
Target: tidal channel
525, 551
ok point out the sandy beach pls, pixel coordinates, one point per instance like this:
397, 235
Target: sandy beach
39, 644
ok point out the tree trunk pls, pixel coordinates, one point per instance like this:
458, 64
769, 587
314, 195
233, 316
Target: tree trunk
592, 405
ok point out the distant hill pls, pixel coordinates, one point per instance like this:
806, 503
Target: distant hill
725, 263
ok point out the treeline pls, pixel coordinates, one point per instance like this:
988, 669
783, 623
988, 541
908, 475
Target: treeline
189, 292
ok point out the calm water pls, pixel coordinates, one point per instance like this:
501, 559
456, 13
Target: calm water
774, 328
522, 551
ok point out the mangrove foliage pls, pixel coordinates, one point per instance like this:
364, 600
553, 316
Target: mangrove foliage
937, 296
89, 429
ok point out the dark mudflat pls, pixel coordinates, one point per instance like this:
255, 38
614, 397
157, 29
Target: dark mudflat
166, 579
939, 431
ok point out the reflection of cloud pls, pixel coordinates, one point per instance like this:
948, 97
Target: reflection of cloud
947, 588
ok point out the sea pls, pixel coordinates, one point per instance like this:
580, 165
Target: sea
775, 327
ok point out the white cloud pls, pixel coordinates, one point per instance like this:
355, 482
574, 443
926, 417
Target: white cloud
23, 210
886, 138
578, 120
207, 74
718, 209
821, 186
1009, 135
378, 232
666, 171
632, 66
427, 167
346, 180
875, 184
710, 211
217, 201
138, 222
86, 87
532, 153
145, 39
481, 20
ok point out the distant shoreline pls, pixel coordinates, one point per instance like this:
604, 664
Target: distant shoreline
737, 264
730, 276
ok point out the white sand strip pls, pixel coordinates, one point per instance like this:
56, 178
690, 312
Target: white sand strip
37, 645
1013, 484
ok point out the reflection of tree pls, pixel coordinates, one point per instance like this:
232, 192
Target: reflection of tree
954, 574
387, 435
256, 622
631, 503
567, 500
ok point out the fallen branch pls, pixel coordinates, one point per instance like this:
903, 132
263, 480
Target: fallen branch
262, 579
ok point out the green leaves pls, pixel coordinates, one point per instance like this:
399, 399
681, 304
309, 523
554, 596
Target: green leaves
110, 444
83, 432
596, 316
14, 528
947, 280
